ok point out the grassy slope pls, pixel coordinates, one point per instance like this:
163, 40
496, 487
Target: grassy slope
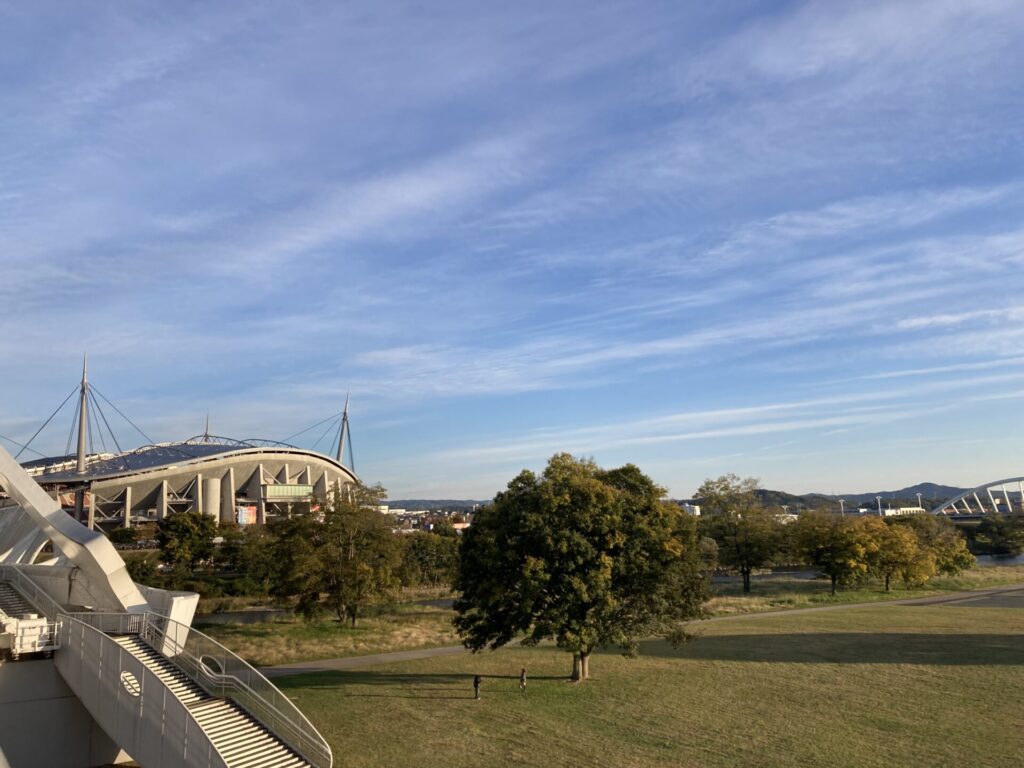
875, 686
278, 642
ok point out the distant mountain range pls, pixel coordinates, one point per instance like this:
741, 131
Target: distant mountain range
932, 494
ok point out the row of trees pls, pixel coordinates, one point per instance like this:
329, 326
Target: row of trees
594, 558
846, 549
340, 562
588, 557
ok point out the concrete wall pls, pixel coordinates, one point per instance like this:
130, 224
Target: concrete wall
43, 724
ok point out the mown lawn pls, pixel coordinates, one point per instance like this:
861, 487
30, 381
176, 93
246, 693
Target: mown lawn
873, 686
779, 592
410, 625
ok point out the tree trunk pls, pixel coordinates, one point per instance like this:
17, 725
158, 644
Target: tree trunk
834, 585
577, 668
887, 582
585, 665
746, 579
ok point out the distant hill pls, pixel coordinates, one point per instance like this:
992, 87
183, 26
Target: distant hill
929, 492
932, 495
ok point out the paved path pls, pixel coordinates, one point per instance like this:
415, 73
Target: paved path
1007, 596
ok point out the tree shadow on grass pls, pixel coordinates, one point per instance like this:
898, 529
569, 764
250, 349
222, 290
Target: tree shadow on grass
405, 685
850, 648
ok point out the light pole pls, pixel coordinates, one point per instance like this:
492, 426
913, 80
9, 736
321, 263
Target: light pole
879, 500
842, 510
919, 501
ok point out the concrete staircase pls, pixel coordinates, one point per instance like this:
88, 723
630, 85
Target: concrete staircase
12, 604
241, 740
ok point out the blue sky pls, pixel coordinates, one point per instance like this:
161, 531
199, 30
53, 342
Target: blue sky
783, 240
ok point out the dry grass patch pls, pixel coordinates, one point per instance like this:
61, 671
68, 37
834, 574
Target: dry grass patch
283, 641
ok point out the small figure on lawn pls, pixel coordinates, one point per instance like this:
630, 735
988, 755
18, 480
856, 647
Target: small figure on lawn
522, 680
476, 686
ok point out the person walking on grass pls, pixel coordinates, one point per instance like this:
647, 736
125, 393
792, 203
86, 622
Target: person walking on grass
522, 680
476, 686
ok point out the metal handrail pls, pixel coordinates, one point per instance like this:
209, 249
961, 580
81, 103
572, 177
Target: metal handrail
112, 623
164, 713
216, 669
222, 673
35, 594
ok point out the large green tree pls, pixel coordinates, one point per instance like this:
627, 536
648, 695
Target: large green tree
591, 558
361, 553
942, 538
429, 558
186, 538
897, 552
840, 547
1001, 535
748, 536
343, 561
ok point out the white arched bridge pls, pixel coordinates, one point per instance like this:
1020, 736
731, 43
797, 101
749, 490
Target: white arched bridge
1000, 497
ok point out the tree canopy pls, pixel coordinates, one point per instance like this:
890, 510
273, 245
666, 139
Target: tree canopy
342, 563
747, 535
185, 538
591, 558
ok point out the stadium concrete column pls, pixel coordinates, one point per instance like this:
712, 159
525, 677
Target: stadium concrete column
161, 501
255, 493
305, 476
211, 497
197, 493
320, 488
227, 496
282, 476
127, 520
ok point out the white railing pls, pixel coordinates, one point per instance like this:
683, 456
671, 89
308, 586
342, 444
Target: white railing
213, 667
34, 636
223, 674
113, 623
35, 594
130, 702
31, 635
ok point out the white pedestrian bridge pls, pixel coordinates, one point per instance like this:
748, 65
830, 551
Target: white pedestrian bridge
1001, 497
97, 669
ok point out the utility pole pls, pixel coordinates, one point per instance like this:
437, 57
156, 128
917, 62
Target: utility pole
919, 500
879, 500
842, 509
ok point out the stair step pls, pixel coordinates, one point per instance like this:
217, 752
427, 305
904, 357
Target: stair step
240, 739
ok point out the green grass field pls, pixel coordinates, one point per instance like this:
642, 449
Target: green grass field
410, 625
873, 686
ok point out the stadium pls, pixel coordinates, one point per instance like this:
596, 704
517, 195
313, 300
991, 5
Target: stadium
233, 481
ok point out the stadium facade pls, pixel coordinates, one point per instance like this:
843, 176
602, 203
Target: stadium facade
230, 480
233, 481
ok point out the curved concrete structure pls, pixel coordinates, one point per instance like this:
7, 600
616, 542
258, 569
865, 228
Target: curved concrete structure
229, 480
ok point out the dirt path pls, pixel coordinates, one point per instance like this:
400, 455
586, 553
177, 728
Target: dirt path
1014, 593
